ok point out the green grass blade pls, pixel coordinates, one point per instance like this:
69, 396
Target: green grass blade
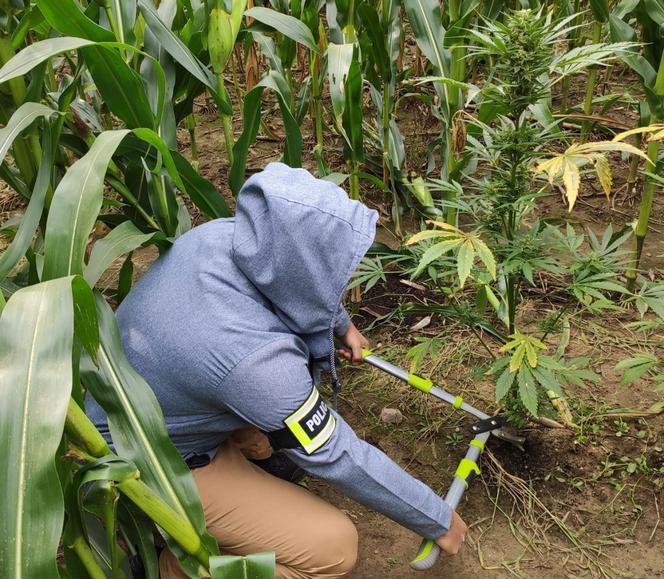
36, 337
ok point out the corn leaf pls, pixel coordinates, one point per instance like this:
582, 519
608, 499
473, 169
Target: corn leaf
66, 17
181, 53
288, 25
137, 427
22, 118
75, 206
124, 238
254, 566
36, 339
275, 81
37, 53
251, 118
339, 59
426, 21
201, 191
30, 221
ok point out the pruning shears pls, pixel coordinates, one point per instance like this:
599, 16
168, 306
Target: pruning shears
468, 469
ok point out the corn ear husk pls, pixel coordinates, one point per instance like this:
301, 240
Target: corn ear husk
223, 28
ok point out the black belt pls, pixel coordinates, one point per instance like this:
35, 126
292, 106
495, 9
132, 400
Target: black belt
196, 460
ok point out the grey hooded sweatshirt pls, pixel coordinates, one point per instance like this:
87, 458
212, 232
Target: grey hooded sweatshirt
223, 326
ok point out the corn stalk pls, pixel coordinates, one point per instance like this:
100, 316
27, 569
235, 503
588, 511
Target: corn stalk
650, 68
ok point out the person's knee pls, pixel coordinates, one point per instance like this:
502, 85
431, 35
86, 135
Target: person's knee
339, 548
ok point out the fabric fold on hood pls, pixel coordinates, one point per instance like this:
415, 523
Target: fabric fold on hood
298, 240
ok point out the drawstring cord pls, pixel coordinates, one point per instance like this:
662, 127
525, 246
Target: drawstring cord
336, 383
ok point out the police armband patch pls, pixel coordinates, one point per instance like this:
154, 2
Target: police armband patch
312, 424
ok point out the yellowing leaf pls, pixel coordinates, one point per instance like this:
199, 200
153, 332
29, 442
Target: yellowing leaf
551, 167
465, 261
571, 180
517, 357
657, 129
444, 225
603, 170
430, 233
485, 255
610, 146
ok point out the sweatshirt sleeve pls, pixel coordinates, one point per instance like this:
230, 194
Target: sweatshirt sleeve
273, 384
341, 322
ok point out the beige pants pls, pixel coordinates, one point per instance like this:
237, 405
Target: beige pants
249, 511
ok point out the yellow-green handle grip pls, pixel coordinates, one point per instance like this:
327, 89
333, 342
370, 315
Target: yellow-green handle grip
427, 556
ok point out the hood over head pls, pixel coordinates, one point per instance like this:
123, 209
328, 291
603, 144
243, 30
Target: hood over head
299, 239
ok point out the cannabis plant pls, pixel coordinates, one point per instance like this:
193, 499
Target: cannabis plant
526, 64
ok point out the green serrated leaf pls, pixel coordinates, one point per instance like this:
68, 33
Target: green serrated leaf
504, 383
527, 390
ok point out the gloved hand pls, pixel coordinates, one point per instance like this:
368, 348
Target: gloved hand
355, 342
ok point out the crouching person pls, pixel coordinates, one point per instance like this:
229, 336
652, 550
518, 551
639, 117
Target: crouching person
231, 328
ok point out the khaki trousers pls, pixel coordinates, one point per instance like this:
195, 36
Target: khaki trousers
248, 511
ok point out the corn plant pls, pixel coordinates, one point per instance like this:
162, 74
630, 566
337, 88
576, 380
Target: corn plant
276, 80
445, 50
649, 67
346, 84
223, 27
600, 12
380, 37
82, 163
